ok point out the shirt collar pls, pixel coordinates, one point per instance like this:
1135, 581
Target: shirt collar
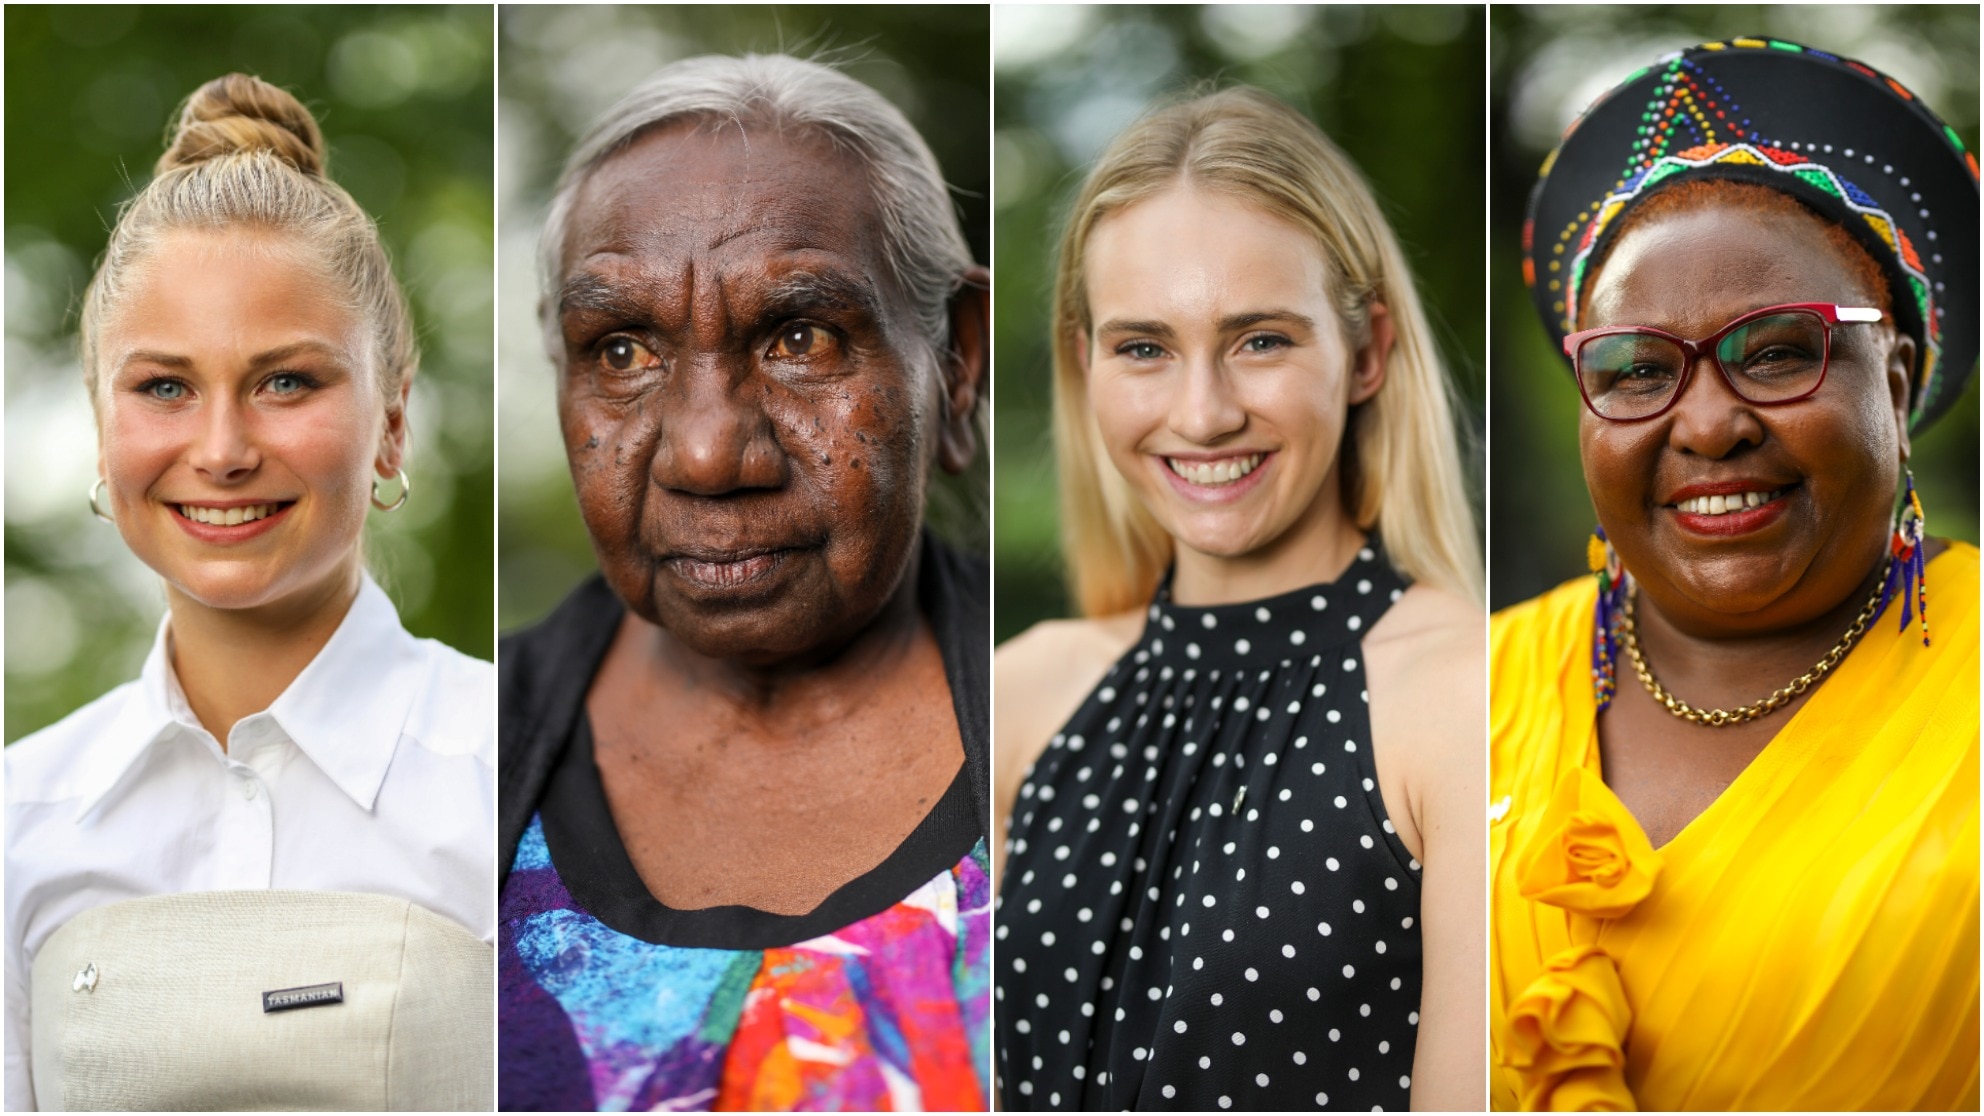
345, 711
348, 707
149, 714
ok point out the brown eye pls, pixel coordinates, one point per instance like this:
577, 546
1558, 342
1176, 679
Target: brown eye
799, 341
624, 354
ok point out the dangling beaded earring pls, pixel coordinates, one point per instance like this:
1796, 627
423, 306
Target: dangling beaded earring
1604, 562
1908, 571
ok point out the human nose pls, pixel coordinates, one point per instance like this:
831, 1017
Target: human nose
225, 449
1204, 407
716, 436
1708, 418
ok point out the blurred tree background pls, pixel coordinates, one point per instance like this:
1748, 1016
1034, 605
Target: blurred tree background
562, 67
404, 95
1549, 63
1399, 87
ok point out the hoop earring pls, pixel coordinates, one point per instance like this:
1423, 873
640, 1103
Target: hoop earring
1608, 619
1908, 573
95, 509
406, 489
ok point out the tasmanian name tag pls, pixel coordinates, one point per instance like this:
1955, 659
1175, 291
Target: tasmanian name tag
310, 995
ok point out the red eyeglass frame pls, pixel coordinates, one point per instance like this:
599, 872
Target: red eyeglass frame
1830, 314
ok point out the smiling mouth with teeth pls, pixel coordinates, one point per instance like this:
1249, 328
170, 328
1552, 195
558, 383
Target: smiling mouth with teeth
1723, 505
1212, 473
227, 517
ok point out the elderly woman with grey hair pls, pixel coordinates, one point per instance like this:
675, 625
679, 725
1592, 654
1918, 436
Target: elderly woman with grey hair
744, 769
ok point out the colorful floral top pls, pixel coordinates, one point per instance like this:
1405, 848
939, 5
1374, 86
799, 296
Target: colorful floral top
878, 999
888, 1013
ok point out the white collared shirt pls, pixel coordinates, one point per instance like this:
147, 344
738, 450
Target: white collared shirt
374, 772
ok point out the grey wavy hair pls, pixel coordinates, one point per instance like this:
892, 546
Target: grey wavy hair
923, 246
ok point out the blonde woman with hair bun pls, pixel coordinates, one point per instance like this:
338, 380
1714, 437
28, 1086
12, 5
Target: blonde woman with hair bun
1243, 863
258, 876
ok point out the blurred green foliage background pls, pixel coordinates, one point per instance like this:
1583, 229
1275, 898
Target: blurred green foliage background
1549, 63
1399, 87
404, 96
562, 67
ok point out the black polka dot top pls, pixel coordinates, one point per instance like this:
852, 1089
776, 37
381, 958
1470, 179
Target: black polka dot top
1205, 905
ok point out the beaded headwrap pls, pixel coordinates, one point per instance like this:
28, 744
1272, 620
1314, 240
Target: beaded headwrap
1852, 144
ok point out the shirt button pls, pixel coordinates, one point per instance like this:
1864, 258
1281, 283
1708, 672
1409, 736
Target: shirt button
248, 788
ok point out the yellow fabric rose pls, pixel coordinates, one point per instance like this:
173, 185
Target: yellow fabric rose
1566, 1036
1588, 855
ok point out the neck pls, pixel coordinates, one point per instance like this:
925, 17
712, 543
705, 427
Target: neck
235, 662
1317, 548
786, 700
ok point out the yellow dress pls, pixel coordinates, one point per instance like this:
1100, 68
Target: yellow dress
1808, 942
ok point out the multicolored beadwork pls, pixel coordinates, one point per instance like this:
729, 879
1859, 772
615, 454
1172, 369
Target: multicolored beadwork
1610, 615
1689, 121
1908, 573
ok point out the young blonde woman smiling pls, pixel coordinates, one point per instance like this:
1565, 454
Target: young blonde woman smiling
1223, 780
295, 791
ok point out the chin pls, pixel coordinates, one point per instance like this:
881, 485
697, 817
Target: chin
760, 635
1224, 536
1215, 547
1738, 585
756, 624
302, 560
236, 587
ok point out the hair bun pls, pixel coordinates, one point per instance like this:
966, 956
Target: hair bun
240, 113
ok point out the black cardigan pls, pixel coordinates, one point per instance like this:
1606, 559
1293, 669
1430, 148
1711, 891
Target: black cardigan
544, 673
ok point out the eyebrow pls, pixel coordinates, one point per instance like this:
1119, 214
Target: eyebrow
822, 290
588, 292
262, 359
1263, 317
1226, 325
1120, 325
149, 356
793, 293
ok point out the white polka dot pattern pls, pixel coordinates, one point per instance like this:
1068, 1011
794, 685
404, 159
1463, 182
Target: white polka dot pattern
1222, 921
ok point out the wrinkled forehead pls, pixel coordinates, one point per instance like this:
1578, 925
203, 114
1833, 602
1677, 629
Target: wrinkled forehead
708, 194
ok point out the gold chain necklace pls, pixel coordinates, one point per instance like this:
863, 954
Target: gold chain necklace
1777, 700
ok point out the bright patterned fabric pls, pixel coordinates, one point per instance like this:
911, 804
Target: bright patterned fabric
1809, 941
889, 1013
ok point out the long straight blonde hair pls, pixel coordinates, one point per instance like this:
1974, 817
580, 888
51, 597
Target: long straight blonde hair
1402, 465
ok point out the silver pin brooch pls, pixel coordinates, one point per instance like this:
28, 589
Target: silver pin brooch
85, 978
1238, 797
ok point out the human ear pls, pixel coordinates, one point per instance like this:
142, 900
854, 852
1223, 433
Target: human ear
1368, 375
1900, 369
964, 369
392, 439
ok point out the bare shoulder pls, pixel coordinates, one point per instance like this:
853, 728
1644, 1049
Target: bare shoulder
1039, 679
1426, 660
1429, 630
1427, 667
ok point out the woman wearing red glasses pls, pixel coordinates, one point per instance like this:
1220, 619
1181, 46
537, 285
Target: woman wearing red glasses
1733, 798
